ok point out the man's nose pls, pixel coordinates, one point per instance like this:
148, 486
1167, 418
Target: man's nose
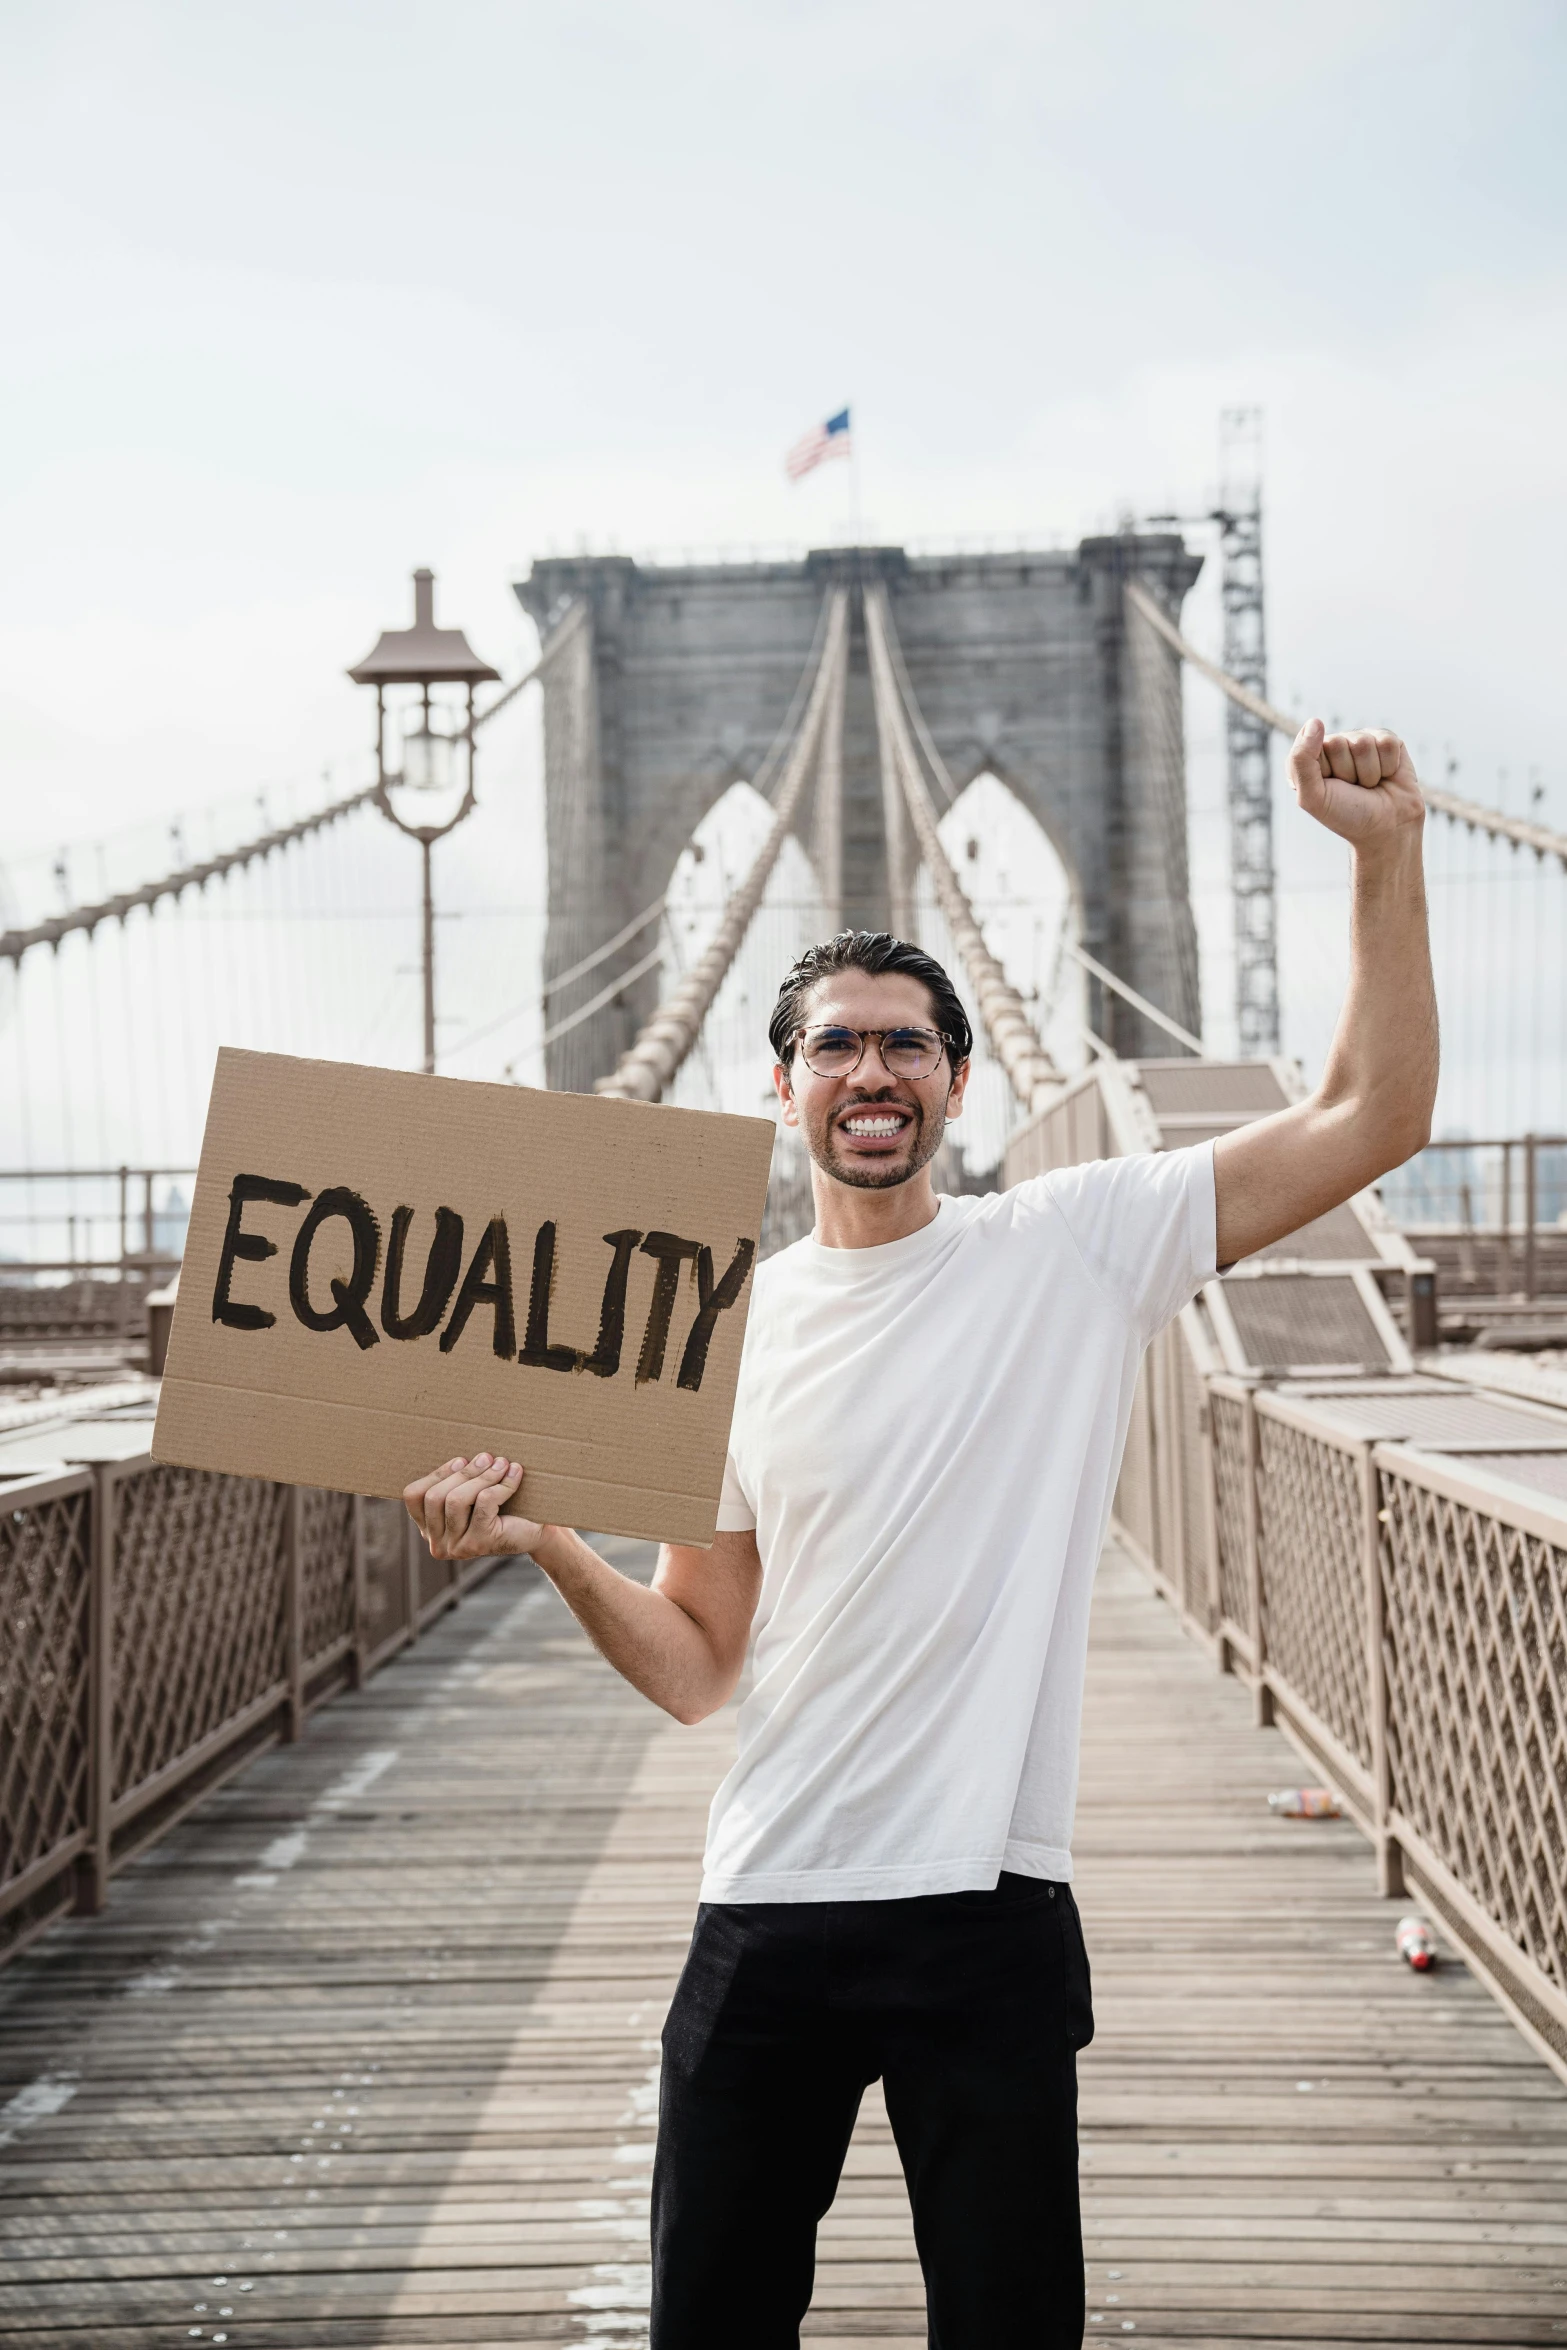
873, 1065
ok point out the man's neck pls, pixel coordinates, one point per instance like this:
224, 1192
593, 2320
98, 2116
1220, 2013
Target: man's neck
847, 1217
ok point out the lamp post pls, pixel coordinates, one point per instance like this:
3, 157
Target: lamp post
430, 790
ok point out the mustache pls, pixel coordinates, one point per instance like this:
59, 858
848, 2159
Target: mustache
887, 1099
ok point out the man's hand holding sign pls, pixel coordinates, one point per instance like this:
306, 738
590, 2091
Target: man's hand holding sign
680, 1641
460, 1509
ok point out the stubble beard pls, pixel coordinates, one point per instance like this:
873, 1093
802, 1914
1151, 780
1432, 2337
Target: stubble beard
876, 1175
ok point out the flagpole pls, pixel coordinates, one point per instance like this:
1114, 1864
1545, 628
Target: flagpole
854, 483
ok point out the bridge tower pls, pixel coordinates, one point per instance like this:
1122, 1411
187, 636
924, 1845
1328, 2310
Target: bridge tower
1024, 665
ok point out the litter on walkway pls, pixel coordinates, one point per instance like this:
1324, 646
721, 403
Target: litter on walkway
1305, 1803
1415, 1944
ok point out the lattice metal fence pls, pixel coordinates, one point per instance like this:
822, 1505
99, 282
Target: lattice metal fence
1313, 1576
199, 1612
1401, 1610
1134, 1496
1232, 1481
1164, 1498
1195, 1500
46, 1583
161, 1624
328, 1559
388, 1587
1476, 1661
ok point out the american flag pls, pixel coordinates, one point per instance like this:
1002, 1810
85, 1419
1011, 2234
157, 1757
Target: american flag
821, 442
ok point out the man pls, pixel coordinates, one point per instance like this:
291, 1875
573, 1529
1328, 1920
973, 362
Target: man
932, 1406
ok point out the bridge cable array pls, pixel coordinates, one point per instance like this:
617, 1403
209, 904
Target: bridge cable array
661, 1046
666, 1040
663, 1043
15, 943
1030, 1071
1129, 995
768, 778
564, 979
763, 782
1517, 829
809, 746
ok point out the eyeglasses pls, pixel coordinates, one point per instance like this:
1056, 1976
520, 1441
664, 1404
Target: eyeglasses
838, 1052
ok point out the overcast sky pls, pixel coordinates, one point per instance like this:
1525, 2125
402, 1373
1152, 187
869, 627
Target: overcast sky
298, 297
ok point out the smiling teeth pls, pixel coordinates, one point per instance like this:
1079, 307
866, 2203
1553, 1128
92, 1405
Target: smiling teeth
873, 1125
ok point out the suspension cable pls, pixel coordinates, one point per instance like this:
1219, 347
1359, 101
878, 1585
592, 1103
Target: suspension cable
1139, 1003
1015, 1041
767, 774
15, 943
762, 782
601, 954
927, 741
650, 1063
575, 619
1517, 829
606, 995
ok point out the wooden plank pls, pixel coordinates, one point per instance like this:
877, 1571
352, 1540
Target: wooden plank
374, 2035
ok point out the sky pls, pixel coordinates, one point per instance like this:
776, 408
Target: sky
300, 297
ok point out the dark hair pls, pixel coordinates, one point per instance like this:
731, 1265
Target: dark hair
876, 952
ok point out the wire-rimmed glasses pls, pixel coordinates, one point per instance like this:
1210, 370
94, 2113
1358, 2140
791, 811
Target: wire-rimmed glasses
833, 1051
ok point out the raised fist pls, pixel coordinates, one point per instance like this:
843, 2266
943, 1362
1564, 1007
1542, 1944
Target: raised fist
1361, 786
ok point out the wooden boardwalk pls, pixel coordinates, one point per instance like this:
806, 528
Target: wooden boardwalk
365, 2052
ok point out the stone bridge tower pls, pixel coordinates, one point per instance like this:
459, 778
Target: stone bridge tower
1024, 665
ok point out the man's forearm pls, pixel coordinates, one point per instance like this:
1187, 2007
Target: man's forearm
648, 1639
1382, 1063
1372, 1109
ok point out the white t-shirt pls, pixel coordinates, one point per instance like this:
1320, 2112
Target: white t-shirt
926, 1438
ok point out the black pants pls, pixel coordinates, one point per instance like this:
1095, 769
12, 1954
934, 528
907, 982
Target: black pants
971, 2008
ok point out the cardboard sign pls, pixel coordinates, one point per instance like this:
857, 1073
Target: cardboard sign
383, 1271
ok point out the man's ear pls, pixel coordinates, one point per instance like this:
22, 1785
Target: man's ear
957, 1089
785, 1093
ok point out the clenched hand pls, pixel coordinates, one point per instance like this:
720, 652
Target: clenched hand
1361, 786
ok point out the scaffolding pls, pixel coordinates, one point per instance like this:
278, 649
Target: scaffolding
1247, 737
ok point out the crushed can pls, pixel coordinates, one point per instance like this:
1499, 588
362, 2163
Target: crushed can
1415, 1945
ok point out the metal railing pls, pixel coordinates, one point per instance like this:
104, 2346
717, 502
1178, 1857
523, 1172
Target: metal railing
1403, 1617
1492, 1213
161, 1626
82, 1247
92, 1219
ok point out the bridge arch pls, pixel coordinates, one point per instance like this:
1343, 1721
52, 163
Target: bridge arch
1028, 904
1020, 663
732, 1065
